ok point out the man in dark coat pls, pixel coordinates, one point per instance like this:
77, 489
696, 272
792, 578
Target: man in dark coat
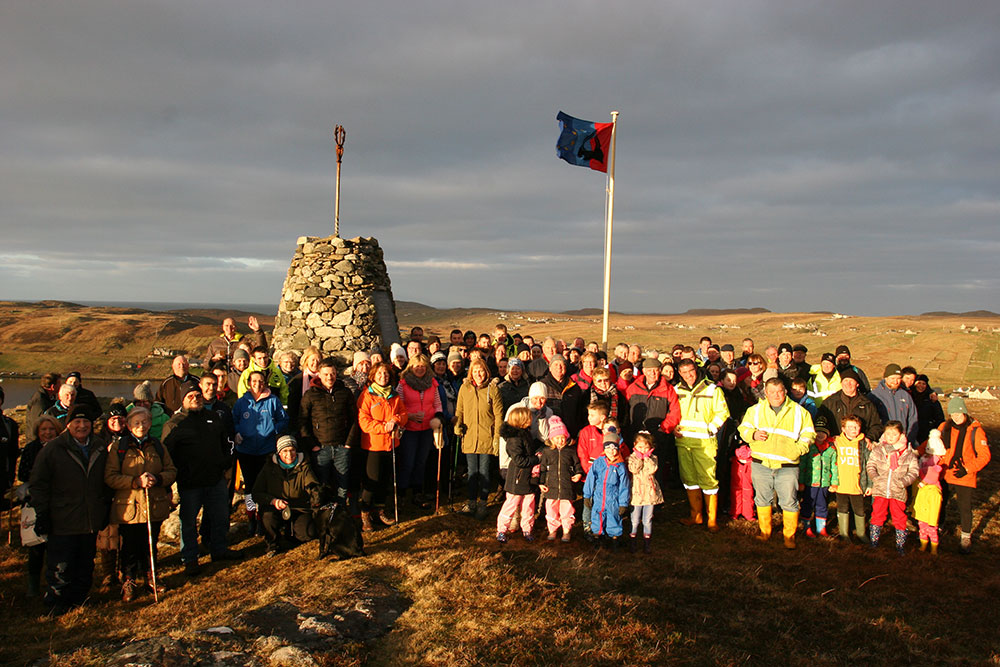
41, 400
328, 426
71, 504
170, 392
849, 401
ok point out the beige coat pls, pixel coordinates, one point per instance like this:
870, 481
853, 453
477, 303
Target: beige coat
645, 488
479, 411
129, 503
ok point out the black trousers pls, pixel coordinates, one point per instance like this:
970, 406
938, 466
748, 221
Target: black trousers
70, 568
300, 523
378, 476
135, 547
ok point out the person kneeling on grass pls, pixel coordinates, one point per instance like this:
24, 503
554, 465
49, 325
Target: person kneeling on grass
522, 474
607, 490
646, 494
892, 467
283, 491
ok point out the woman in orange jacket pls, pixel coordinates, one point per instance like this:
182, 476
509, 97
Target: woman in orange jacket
381, 416
968, 453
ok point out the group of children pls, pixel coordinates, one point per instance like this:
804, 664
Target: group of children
850, 469
614, 478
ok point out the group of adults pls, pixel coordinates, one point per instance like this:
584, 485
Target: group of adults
282, 428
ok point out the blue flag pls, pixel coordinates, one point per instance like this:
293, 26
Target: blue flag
583, 143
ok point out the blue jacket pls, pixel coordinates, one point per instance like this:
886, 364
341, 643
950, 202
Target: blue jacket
608, 486
259, 423
896, 405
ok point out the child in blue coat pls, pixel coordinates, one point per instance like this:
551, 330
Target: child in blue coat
607, 492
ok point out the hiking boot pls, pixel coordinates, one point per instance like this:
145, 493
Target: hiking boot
160, 588
128, 589
481, 510
366, 522
502, 537
272, 551
385, 518
469, 508
191, 568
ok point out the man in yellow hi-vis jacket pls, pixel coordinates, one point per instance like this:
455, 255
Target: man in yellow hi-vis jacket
703, 411
779, 432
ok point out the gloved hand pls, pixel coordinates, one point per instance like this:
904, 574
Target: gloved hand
588, 502
622, 511
960, 471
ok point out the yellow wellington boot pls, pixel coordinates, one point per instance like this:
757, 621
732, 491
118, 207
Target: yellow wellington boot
764, 521
712, 505
790, 525
694, 499
934, 548
923, 545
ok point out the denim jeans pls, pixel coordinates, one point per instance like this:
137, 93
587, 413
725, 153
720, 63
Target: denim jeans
783, 481
411, 457
642, 514
479, 475
333, 467
215, 501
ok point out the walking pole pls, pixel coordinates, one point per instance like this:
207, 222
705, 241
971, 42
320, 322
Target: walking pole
454, 468
149, 533
395, 493
439, 444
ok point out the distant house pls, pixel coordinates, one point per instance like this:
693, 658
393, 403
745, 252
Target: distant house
166, 352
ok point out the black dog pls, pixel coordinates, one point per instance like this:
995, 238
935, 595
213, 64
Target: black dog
339, 533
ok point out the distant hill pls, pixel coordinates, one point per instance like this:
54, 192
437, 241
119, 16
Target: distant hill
726, 311
587, 312
971, 313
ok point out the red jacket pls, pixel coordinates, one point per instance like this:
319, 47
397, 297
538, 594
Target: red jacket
590, 446
655, 409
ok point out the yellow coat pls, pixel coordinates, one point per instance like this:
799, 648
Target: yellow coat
789, 433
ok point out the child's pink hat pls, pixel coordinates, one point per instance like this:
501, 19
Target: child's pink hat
556, 427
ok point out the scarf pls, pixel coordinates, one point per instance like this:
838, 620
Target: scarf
957, 460
289, 466
611, 396
417, 383
377, 389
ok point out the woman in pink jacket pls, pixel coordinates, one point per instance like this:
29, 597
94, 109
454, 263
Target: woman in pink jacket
419, 391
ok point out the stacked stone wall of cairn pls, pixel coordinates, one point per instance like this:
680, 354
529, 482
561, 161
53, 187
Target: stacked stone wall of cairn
327, 299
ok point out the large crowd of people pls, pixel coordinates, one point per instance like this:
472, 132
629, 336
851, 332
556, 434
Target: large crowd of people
519, 420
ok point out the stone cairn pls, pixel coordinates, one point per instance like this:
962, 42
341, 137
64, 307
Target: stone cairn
337, 296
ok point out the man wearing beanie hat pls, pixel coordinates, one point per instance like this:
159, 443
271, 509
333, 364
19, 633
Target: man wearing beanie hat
894, 403
71, 504
848, 402
967, 453
202, 452
283, 491
824, 379
843, 357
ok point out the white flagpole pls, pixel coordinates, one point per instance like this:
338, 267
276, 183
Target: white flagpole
609, 225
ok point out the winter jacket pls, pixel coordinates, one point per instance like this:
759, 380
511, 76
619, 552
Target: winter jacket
892, 470
171, 392
9, 449
539, 428
789, 433
975, 452
817, 467
511, 392
68, 490
645, 488
850, 474
328, 418
88, 399
927, 491
224, 347
896, 405
566, 401
608, 487
819, 387
838, 405
199, 447
655, 409
479, 411
291, 485
522, 450
275, 380
703, 411
929, 413
374, 412
122, 472
558, 467
259, 422
427, 401
39, 402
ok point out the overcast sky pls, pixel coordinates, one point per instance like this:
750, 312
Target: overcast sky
791, 155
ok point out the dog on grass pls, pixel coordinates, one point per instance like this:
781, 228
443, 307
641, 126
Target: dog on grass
339, 533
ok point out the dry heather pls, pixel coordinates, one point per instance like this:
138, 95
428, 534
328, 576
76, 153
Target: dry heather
698, 599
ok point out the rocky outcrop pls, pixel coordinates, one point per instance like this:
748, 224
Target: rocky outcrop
337, 296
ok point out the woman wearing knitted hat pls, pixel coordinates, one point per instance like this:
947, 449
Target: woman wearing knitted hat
967, 453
